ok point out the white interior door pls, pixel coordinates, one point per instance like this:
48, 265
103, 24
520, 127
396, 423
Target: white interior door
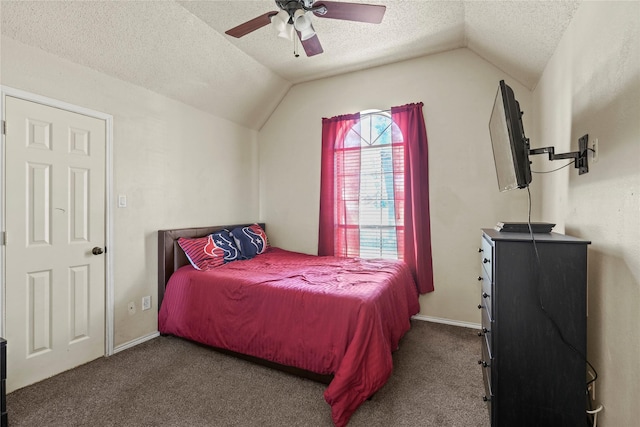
55, 216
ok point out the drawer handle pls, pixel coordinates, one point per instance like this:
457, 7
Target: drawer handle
479, 278
483, 363
486, 399
485, 260
485, 295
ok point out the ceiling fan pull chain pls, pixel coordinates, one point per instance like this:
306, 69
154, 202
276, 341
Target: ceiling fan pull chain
295, 46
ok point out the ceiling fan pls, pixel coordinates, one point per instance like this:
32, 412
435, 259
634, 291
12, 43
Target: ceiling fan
295, 16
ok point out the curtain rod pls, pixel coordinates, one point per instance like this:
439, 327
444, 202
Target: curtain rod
368, 113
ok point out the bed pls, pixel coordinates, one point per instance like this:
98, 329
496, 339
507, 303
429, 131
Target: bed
335, 320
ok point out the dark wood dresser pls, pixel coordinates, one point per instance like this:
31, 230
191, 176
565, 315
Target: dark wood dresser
534, 335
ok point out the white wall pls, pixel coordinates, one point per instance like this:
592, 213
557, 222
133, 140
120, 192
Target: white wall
592, 86
458, 89
177, 165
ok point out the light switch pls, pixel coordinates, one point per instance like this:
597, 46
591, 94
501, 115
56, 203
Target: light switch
122, 201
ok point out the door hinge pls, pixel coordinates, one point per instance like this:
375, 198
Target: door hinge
3, 238
4, 127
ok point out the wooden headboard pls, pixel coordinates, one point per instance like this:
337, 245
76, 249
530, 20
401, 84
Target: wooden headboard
171, 256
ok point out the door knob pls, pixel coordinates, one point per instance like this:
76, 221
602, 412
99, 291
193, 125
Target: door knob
97, 251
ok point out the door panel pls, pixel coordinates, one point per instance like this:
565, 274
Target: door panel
79, 307
39, 207
39, 317
55, 215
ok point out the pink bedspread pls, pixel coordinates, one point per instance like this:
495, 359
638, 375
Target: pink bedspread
323, 314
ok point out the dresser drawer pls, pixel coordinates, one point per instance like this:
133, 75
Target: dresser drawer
486, 360
486, 375
487, 326
486, 258
486, 300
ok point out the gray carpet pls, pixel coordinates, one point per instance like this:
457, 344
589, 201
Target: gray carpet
172, 382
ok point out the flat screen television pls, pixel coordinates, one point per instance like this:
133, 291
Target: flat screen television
510, 145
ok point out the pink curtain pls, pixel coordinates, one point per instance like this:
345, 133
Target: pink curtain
339, 214
339, 229
417, 227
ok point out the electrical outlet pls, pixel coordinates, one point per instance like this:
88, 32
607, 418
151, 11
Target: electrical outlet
146, 302
132, 308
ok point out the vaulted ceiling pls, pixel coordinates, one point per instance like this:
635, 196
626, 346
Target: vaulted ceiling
180, 49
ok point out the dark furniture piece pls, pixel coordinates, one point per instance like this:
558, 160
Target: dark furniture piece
3, 382
534, 317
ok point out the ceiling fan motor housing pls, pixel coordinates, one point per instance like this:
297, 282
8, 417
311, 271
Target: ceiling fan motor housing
291, 6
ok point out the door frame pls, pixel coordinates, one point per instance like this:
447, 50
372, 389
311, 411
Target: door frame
109, 290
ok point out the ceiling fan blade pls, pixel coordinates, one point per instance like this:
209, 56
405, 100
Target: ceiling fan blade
252, 25
352, 11
312, 45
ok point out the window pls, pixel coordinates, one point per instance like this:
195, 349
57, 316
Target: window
369, 172
374, 189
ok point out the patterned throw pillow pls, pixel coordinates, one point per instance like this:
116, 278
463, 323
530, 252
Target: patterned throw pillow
251, 240
224, 241
203, 253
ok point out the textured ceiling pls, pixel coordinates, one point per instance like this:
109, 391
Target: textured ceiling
179, 49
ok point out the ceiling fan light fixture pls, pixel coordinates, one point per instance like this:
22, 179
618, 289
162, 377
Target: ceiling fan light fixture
302, 23
287, 33
279, 20
281, 26
307, 34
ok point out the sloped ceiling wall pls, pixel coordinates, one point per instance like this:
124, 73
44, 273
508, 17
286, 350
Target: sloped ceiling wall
179, 49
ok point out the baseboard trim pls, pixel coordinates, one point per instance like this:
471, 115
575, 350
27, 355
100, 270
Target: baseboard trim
447, 321
135, 342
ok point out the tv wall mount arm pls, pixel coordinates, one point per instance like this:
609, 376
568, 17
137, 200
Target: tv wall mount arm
580, 157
